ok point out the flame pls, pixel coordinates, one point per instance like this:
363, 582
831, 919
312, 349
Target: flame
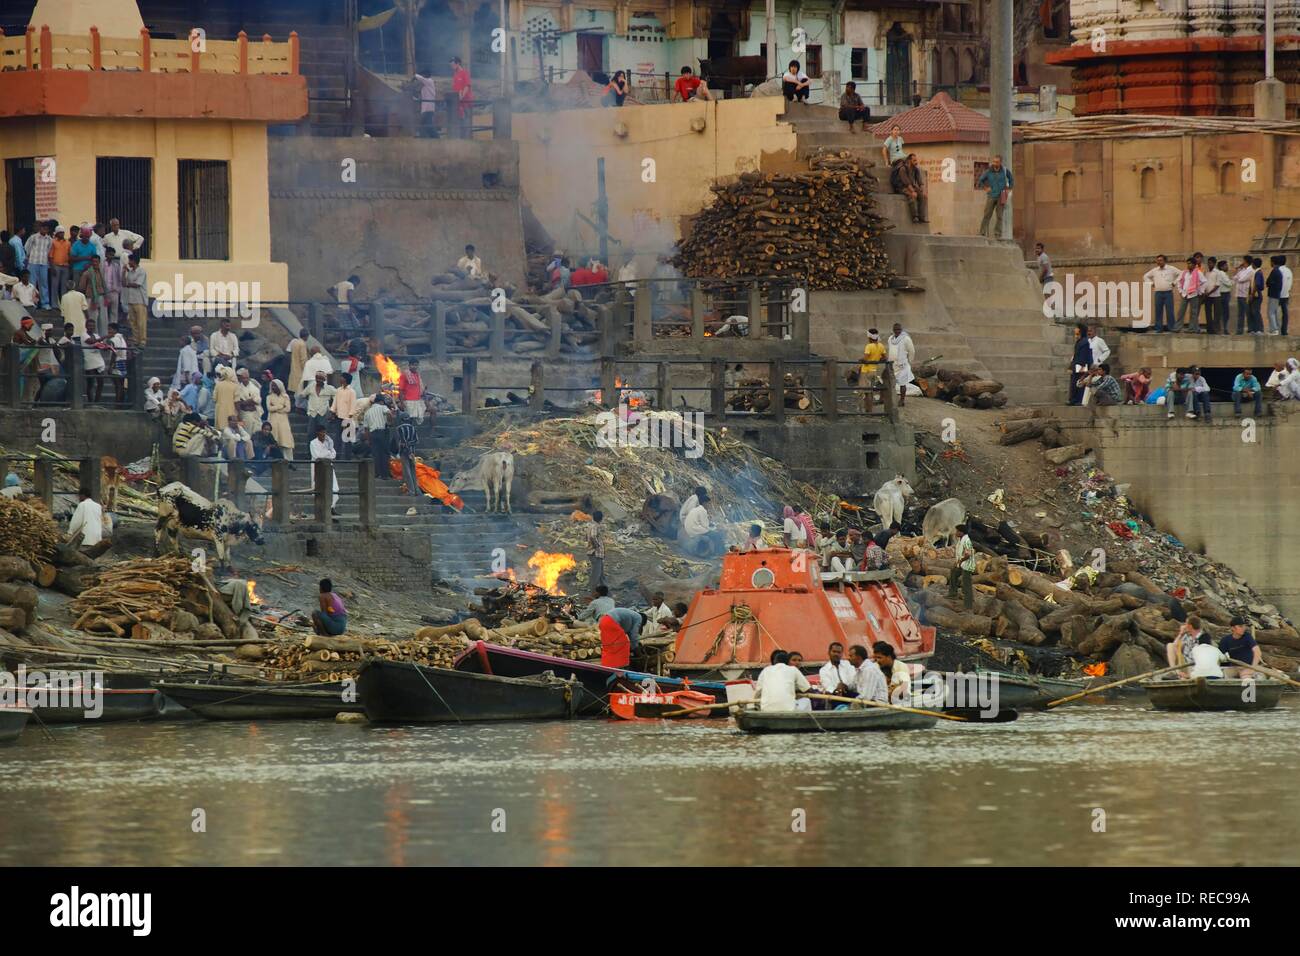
388, 370
708, 335
507, 575
253, 599
1095, 670
547, 569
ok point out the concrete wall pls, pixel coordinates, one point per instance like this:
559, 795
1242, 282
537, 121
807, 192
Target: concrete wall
1220, 495
395, 560
853, 456
75, 143
558, 153
956, 204
413, 206
125, 435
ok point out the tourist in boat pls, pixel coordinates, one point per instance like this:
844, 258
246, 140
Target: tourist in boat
895, 671
601, 605
1240, 645
870, 681
837, 676
1179, 650
802, 703
620, 635
1207, 660
778, 683
332, 618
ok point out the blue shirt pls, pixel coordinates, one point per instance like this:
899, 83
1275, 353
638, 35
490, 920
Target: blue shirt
20, 253
82, 248
997, 180
629, 621
1241, 382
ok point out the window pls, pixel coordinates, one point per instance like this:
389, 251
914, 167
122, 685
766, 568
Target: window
1147, 183
814, 65
1069, 186
858, 63
1229, 181
204, 201
124, 191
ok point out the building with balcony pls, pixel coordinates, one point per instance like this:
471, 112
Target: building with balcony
100, 120
1179, 57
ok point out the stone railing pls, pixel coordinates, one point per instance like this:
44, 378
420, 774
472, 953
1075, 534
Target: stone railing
44, 50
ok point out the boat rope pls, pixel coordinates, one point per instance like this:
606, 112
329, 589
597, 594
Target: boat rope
419, 671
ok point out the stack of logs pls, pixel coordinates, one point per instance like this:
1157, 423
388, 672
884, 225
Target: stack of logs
817, 229
152, 599
528, 318
1120, 605
1025, 424
755, 396
964, 389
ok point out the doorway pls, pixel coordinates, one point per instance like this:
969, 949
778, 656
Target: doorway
591, 53
20, 176
722, 37
898, 66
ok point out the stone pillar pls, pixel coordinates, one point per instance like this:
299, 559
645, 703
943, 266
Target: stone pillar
1001, 63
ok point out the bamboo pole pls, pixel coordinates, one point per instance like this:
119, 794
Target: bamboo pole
1266, 670
1118, 683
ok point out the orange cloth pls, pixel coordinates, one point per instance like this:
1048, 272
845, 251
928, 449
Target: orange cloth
430, 482
615, 647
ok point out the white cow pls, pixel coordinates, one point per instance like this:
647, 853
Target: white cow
494, 472
891, 499
940, 522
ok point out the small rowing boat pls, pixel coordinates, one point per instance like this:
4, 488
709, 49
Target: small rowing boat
828, 721
405, 692
12, 721
651, 706
239, 701
1213, 693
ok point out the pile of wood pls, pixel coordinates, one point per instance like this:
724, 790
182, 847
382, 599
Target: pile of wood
17, 598
1098, 613
756, 396
1029, 423
965, 389
27, 531
529, 319
513, 601
817, 229
145, 598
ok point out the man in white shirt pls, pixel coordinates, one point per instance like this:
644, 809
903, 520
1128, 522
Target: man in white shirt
319, 396
471, 264
902, 353
187, 363
322, 447
224, 346
895, 671
428, 107
25, 292
1243, 281
1211, 293
87, 522
837, 676
870, 683
1162, 279
1285, 297
116, 238
793, 533
317, 363
344, 408
778, 683
1207, 660
73, 305
1100, 350
248, 402
1190, 287
236, 439
689, 505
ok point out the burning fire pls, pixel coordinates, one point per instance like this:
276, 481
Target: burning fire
547, 569
388, 370
253, 599
1095, 670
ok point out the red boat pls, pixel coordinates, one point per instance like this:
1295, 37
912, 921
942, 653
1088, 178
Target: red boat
640, 705
777, 600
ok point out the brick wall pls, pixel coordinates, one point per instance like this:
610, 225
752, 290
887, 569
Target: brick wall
383, 559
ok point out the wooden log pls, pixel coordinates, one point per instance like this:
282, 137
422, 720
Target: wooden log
1045, 587
1059, 456
1142, 581
13, 618
1109, 634
45, 574
73, 580
1278, 637
1154, 620
250, 652
1027, 630
974, 625
13, 568
19, 595
1034, 605
348, 645
980, 386
1023, 431
151, 631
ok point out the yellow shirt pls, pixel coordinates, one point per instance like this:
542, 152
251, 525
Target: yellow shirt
873, 353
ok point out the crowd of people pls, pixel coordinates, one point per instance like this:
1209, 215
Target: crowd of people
1208, 287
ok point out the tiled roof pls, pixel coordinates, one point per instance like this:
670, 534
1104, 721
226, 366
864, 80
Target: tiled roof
940, 120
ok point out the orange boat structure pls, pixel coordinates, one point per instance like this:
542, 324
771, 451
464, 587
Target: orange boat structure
777, 600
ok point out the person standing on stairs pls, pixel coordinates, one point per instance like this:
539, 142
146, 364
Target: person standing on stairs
1080, 363
902, 353
997, 182
406, 439
873, 353
1162, 279
1100, 350
1044, 264
852, 109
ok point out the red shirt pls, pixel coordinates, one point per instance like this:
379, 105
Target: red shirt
460, 85
686, 86
411, 387
583, 276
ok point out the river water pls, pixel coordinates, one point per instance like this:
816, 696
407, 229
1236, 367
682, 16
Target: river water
1173, 788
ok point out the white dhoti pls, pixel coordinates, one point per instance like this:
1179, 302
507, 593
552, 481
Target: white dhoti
415, 408
903, 371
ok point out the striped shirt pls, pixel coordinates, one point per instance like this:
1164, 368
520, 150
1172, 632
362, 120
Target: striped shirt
38, 249
406, 438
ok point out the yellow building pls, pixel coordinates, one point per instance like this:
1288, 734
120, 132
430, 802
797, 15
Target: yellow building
98, 120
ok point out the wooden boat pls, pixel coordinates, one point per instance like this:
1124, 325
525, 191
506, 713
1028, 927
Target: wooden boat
827, 721
130, 703
595, 681
240, 701
12, 721
406, 692
637, 705
1213, 693
967, 692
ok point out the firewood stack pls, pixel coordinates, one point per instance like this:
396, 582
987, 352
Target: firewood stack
32, 555
755, 396
964, 389
528, 319
816, 229
143, 599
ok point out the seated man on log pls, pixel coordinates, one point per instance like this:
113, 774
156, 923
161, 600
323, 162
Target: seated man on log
332, 618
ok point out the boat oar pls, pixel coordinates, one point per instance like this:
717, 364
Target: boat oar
876, 703
1118, 683
1267, 670
700, 707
